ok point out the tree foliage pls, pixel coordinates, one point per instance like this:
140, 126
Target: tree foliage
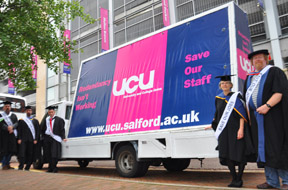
37, 23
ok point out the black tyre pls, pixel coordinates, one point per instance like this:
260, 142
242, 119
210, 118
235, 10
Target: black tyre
38, 164
127, 164
176, 165
156, 163
83, 163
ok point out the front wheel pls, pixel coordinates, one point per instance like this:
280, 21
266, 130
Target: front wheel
127, 164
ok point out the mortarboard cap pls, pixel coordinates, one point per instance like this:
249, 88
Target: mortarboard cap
7, 102
28, 107
262, 51
225, 77
51, 107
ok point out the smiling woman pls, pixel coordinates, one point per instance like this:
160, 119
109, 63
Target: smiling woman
229, 122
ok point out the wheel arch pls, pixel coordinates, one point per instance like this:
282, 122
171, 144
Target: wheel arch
116, 145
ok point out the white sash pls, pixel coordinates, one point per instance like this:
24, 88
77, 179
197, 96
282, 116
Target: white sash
253, 85
226, 114
30, 125
8, 121
50, 133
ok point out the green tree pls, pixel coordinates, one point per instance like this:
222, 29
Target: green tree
37, 23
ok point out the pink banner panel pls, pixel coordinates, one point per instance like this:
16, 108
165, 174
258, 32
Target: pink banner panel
104, 29
11, 88
244, 65
10, 84
138, 85
66, 66
165, 12
34, 66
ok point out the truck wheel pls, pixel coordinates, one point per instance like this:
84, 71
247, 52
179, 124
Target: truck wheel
176, 165
38, 164
83, 163
127, 164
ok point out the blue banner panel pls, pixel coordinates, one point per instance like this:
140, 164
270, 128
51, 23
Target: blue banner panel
11, 90
66, 69
93, 95
196, 52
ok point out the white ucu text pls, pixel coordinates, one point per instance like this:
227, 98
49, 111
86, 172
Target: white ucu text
138, 82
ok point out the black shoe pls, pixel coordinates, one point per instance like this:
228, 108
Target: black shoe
20, 168
49, 171
232, 184
55, 170
238, 183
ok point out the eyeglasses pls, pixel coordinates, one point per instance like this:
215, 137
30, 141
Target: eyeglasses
221, 83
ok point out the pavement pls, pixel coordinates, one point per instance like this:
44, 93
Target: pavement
104, 176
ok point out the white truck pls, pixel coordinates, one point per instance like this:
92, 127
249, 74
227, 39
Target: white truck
148, 101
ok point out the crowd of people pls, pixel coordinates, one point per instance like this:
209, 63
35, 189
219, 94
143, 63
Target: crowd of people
255, 131
20, 137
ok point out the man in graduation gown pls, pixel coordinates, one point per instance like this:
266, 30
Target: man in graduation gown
28, 136
266, 94
8, 134
53, 133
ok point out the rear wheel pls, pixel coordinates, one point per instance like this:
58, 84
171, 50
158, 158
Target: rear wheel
127, 164
176, 165
83, 163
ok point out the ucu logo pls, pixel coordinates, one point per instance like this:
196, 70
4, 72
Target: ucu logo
129, 87
245, 64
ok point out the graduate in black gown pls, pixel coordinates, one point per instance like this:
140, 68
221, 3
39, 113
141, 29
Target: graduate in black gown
268, 110
28, 136
8, 133
53, 133
231, 143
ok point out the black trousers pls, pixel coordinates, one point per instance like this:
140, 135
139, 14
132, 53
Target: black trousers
52, 152
25, 154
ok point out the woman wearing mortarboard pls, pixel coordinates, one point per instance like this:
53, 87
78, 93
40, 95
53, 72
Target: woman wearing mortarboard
229, 122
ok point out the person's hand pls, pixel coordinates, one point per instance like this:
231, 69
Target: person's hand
35, 142
19, 141
240, 134
65, 140
208, 127
263, 109
10, 129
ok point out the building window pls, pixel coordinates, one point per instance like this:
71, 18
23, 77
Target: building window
282, 6
135, 18
50, 73
87, 36
51, 94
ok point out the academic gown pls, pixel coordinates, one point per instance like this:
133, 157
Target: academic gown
25, 135
229, 146
275, 121
58, 129
8, 142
